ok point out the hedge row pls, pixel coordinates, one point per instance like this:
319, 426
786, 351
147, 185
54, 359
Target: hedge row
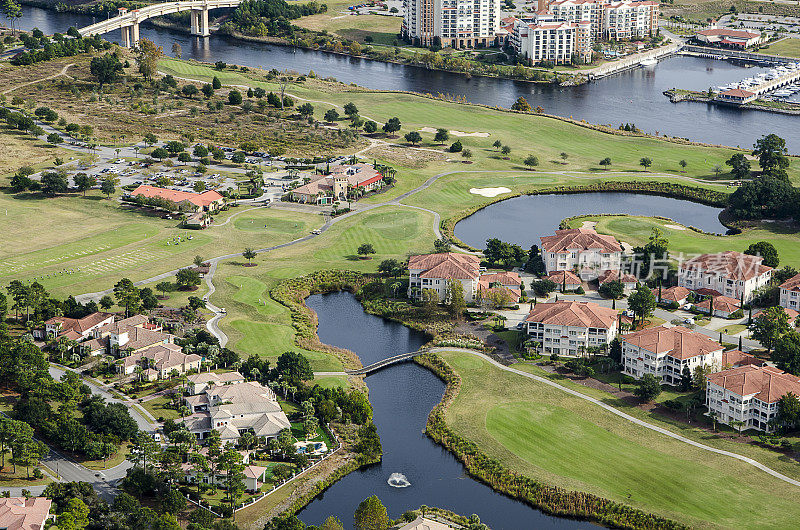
549, 499
665, 189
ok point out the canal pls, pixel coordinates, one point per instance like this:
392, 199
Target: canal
402, 396
523, 220
630, 97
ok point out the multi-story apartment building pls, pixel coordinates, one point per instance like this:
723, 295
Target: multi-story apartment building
666, 351
581, 249
729, 273
630, 20
569, 328
790, 293
590, 11
457, 23
749, 394
435, 271
554, 41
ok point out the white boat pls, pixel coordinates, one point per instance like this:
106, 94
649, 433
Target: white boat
648, 62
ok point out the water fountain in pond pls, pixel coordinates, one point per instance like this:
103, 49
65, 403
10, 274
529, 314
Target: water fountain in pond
398, 480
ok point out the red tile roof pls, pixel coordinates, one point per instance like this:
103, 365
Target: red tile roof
792, 284
729, 264
447, 265
614, 275
674, 294
765, 383
734, 358
560, 276
19, 513
677, 341
79, 325
714, 32
569, 313
738, 93
721, 303
581, 239
202, 200
510, 279
791, 313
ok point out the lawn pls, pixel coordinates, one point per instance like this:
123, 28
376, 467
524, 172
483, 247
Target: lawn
788, 47
10, 478
636, 230
563, 440
159, 409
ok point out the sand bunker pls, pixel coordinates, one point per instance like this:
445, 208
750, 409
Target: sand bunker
489, 192
676, 227
457, 133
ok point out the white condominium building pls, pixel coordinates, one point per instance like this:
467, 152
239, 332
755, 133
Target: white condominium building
557, 42
568, 328
666, 351
457, 23
790, 293
624, 19
749, 394
435, 271
730, 273
581, 249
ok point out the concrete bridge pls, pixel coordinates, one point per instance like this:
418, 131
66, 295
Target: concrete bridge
128, 21
374, 367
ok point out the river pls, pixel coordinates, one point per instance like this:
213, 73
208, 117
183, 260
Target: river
634, 96
523, 220
402, 396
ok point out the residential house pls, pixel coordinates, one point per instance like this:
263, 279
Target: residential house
582, 250
253, 475
339, 185
677, 295
790, 293
723, 306
422, 523
791, 314
131, 335
730, 273
208, 201
665, 351
73, 328
507, 283
736, 358
434, 271
566, 280
160, 362
21, 513
629, 281
569, 328
749, 394
235, 409
198, 383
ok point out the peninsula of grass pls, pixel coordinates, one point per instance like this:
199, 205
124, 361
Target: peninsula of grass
565, 441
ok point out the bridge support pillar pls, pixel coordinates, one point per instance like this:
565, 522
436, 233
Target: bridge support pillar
199, 20
135, 34
126, 36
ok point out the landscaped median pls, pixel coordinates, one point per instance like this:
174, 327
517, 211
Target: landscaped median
570, 457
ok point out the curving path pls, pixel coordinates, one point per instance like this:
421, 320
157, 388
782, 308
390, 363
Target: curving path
62, 72
624, 415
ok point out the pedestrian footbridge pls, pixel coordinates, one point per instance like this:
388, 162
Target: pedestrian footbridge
374, 367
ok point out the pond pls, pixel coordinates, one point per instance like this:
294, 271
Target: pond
402, 396
523, 220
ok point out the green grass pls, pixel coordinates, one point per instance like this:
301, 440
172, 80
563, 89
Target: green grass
787, 47
560, 439
159, 409
636, 230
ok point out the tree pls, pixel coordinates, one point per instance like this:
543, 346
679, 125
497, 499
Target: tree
371, 515
606, 162
187, 278
655, 250
127, 296
740, 166
186, 157
84, 182
531, 161
350, 109
642, 302
106, 69
177, 51
771, 152
645, 162
505, 151
521, 105
390, 267
306, 110
441, 245
456, 146
106, 302
331, 523
648, 388
686, 379
613, 289
391, 126
160, 153
370, 127
294, 368
215, 83
249, 254
787, 353
234, 97
331, 116
189, 91
54, 182
365, 249
207, 90
789, 412
769, 325
766, 250
54, 139
108, 186
564, 156
455, 298
147, 56
413, 137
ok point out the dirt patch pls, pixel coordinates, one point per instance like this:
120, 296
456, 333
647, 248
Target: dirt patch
411, 158
676, 227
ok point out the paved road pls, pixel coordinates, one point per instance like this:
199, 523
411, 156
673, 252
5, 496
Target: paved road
626, 416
